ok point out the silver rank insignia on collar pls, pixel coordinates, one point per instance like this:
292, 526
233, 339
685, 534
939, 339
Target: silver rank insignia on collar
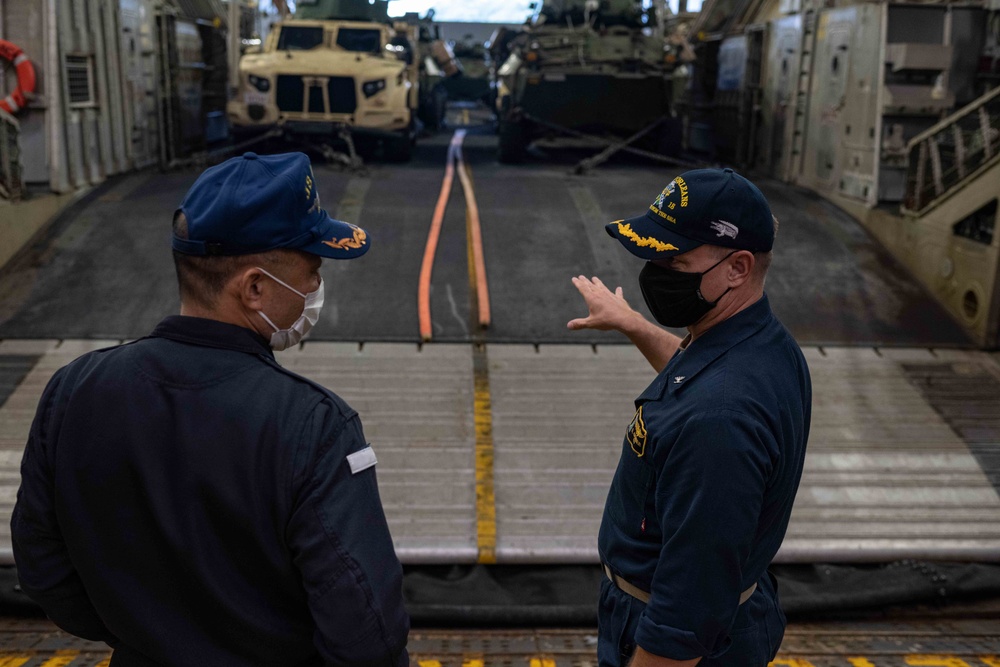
679, 379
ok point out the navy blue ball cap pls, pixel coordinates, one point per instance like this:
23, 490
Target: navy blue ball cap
704, 206
255, 203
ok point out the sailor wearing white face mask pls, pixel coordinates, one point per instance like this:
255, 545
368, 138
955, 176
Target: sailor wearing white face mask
282, 339
214, 508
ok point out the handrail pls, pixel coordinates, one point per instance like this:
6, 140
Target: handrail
950, 120
951, 153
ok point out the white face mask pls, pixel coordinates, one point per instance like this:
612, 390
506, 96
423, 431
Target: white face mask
282, 339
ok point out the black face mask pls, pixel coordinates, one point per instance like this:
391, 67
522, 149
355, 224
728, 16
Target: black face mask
674, 297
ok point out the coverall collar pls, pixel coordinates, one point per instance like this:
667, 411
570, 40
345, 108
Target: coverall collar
212, 333
707, 348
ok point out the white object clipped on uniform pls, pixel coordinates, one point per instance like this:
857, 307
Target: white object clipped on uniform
362, 460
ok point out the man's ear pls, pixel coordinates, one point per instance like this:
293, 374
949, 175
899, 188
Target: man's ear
742, 267
247, 286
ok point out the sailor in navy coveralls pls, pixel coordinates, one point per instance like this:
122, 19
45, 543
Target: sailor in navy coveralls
189, 501
713, 455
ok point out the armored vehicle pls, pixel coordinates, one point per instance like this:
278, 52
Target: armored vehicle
586, 66
473, 82
338, 64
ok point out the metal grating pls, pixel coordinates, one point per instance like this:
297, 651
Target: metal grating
343, 94
885, 643
289, 92
967, 396
902, 461
13, 369
80, 80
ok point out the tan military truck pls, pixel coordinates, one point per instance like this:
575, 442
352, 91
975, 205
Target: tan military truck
316, 77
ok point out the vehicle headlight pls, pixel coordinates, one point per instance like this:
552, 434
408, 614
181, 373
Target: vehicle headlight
259, 82
370, 88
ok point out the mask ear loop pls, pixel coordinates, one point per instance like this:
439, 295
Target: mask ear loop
268, 320
702, 273
728, 289
283, 283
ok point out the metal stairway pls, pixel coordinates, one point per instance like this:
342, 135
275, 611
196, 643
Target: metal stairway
949, 155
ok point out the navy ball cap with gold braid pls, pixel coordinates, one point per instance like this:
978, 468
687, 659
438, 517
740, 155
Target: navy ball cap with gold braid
255, 203
703, 206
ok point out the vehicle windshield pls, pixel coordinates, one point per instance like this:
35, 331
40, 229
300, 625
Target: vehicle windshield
362, 40
300, 38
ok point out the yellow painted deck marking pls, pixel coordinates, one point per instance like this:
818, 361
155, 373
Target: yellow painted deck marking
936, 661
486, 511
473, 663
429, 663
542, 662
860, 662
14, 659
990, 660
61, 658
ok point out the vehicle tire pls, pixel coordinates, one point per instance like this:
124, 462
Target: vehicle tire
398, 148
512, 147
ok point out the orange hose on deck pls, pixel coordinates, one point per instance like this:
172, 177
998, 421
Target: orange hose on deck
476, 238
427, 267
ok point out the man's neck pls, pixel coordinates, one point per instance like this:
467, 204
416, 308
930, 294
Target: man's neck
219, 315
730, 305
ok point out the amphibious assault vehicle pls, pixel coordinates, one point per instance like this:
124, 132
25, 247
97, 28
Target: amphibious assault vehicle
581, 66
340, 65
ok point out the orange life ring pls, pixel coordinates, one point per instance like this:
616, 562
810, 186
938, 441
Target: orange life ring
25, 77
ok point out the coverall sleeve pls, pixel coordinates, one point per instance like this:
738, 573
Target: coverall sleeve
709, 491
44, 567
341, 545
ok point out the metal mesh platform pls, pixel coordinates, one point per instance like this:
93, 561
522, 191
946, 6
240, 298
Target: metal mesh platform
889, 470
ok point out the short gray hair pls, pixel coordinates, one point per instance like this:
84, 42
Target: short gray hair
201, 279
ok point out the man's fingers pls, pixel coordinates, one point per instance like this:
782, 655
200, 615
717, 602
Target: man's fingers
619, 292
579, 323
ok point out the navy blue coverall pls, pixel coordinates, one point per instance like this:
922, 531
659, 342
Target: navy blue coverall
190, 502
702, 495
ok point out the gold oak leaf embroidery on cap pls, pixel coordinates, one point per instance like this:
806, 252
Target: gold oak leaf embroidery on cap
643, 241
354, 242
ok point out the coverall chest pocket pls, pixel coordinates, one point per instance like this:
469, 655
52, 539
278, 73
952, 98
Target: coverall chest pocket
630, 492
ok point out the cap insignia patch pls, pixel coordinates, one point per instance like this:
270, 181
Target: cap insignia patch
636, 435
684, 190
662, 197
725, 229
643, 241
315, 205
358, 240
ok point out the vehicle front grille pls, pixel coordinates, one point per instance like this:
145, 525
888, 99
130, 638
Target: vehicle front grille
291, 88
343, 96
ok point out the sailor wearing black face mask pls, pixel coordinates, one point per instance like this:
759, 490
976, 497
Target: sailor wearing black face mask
712, 458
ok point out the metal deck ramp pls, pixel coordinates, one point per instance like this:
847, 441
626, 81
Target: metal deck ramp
903, 458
